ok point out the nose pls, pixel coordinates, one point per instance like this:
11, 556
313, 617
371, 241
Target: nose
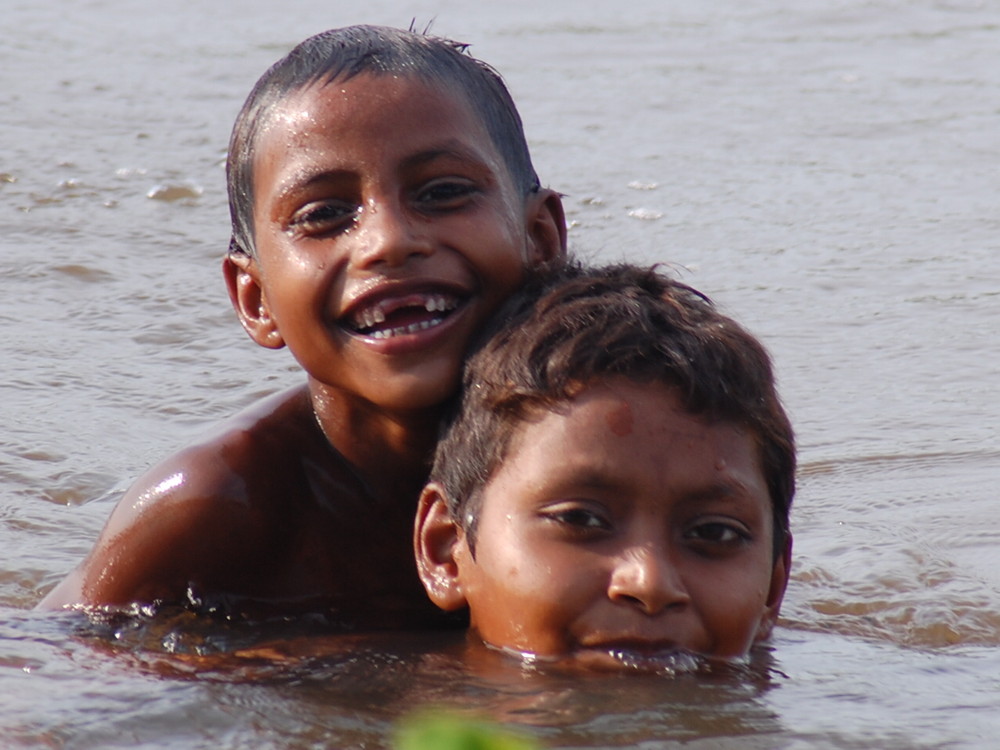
644, 577
387, 235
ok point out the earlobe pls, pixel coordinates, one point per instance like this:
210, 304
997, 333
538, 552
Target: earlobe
546, 226
776, 592
436, 536
247, 295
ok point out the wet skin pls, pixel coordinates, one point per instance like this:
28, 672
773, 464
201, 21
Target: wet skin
261, 519
387, 230
618, 530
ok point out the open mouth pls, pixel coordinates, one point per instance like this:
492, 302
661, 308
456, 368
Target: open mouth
404, 316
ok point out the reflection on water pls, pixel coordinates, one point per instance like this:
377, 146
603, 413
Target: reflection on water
193, 681
375, 680
889, 557
826, 172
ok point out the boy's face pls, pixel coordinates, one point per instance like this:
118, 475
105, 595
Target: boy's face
621, 530
387, 229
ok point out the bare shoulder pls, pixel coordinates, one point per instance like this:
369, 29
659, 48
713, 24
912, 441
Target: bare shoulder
205, 518
262, 517
231, 475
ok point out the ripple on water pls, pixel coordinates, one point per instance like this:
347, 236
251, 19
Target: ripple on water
171, 192
882, 554
80, 272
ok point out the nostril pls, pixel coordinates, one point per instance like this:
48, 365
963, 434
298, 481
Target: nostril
629, 599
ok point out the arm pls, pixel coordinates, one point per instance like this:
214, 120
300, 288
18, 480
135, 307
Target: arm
208, 516
183, 523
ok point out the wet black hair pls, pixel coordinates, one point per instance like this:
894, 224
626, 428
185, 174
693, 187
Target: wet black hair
571, 326
341, 54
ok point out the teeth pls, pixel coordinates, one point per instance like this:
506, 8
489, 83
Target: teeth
439, 303
403, 330
369, 318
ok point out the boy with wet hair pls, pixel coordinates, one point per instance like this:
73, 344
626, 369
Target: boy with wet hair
614, 488
383, 206
342, 54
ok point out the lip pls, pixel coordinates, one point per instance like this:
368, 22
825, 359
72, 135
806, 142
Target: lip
659, 657
632, 645
440, 307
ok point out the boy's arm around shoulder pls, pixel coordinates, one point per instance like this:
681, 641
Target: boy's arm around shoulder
201, 519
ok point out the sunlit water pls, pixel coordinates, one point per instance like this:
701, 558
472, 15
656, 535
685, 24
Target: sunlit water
828, 171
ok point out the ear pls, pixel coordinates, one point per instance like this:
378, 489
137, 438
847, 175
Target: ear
436, 536
546, 225
242, 276
776, 592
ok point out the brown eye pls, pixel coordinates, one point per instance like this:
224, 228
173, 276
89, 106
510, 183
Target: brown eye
717, 532
579, 518
318, 218
442, 195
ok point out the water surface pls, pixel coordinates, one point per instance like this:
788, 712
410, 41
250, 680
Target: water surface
828, 172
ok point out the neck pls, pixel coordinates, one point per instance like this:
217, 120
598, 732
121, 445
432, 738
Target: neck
391, 450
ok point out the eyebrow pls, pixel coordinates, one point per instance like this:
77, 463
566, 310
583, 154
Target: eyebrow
587, 478
734, 493
305, 177
451, 150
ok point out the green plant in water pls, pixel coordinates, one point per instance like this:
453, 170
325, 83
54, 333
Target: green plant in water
448, 732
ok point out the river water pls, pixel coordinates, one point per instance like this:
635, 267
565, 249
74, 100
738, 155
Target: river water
829, 172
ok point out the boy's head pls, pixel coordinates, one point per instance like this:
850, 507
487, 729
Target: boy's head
384, 204
341, 54
617, 479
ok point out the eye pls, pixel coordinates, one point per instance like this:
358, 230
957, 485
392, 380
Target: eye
719, 534
323, 217
577, 519
446, 194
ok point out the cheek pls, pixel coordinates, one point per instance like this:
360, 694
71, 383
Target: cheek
524, 605
501, 238
733, 613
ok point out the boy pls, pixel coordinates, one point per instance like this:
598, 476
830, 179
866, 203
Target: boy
614, 487
383, 204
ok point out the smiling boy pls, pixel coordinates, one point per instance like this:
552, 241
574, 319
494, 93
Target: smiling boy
383, 205
614, 489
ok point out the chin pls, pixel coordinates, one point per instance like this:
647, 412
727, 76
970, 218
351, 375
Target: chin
421, 392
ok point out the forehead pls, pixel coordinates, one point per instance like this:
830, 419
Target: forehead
634, 439
384, 114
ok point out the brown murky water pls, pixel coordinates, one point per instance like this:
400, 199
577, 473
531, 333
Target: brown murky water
828, 172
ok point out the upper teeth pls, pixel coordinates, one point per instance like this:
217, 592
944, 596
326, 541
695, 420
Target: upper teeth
440, 303
373, 316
